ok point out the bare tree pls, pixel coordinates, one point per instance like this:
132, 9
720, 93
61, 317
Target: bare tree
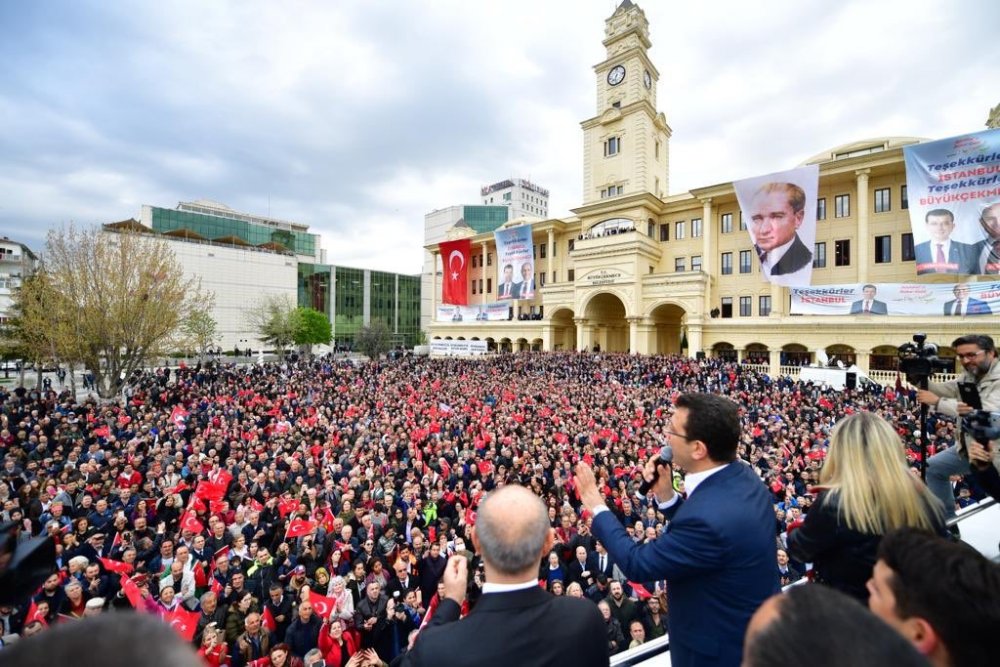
121, 299
374, 340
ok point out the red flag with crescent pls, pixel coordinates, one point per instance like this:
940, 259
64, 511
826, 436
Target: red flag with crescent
455, 256
183, 622
322, 605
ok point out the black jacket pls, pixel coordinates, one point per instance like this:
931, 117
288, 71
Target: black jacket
842, 557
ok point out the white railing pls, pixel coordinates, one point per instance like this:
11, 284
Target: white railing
760, 368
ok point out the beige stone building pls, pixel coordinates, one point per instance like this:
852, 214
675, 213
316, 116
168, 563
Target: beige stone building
638, 270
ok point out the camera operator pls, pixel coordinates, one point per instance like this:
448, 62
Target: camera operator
978, 355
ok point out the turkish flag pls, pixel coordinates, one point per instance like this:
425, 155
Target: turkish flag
288, 506
255, 505
268, 620
455, 288
183, 621
210, 490
179, 416
640, 591
322, 605
132, 592
116, 566
299, 527
190, 522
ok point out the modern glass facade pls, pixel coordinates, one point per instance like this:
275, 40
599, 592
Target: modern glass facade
485, 218
214, 227
361, 296
315, 282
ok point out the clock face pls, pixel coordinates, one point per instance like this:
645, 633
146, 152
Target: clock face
647, 79
616, 75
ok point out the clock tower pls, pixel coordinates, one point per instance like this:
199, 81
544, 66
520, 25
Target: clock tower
626, 145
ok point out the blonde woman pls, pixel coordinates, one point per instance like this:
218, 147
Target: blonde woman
866, 491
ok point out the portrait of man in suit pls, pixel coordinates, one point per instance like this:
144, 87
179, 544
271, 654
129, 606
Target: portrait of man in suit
717, 551
506, 289
514, 622
987, 251
963, 304
526, 288
776, 213
869, 305
941, 254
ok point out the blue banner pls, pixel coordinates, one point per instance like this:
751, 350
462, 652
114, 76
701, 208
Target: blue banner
953, 188
515, 263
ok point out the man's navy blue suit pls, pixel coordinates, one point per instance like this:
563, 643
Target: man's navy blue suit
718, 557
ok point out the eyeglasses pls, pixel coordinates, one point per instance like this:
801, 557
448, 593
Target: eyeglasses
969, 355
667, 430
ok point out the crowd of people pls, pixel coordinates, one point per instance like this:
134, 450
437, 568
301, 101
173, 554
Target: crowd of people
305, 513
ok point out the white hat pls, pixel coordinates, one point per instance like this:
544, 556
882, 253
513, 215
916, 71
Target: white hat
95, 603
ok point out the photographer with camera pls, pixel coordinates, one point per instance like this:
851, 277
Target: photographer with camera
978, 355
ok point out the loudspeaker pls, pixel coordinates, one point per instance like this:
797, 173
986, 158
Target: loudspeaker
852, 380
699, 355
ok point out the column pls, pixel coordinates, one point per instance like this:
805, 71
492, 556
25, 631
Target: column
482, 265
434, 287
779, 299
740, 354
863, 358
552, 251
694, 339
708, 231
774, 369
633, 333
582, 333
864, 239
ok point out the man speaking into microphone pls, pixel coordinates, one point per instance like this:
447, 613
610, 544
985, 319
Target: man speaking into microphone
717, 552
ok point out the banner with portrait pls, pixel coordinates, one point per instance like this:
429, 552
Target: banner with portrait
515, 263
942, 299
780, 215
498, 311
953, 192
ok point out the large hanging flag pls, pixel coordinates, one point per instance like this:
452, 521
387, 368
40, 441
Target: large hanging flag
515, 263
779, 211
953, 194
455, 256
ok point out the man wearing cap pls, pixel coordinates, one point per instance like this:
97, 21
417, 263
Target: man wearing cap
93, 607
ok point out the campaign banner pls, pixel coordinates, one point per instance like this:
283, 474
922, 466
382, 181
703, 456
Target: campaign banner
780, 214
455, 286
953, 191
945, 300
515, 263
451, 348
484, 312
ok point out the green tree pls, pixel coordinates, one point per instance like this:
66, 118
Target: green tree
313, 328
276, 321
29, 334
199, 331
374, 340
117, 299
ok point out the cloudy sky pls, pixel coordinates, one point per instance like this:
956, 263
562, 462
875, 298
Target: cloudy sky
357, 118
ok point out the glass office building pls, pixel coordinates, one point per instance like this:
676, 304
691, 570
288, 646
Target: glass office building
210, 221
353, 298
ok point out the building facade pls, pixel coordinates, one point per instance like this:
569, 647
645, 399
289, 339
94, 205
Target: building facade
638, 270
520, 195
437, 226
17, 261
242, 259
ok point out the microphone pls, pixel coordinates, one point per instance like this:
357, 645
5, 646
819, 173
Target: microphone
666, 456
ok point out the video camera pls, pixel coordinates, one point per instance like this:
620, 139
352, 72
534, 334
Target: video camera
919, 360
982, 425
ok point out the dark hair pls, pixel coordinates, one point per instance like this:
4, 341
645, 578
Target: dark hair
951, 586
939, 212
714, 420
851, 635
982, 341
